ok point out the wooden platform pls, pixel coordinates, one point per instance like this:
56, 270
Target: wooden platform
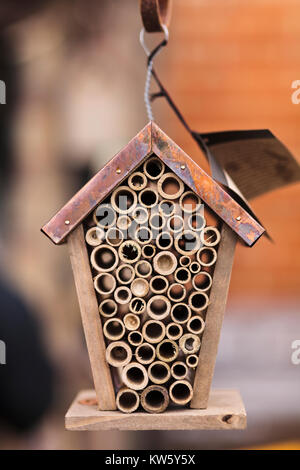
225, 411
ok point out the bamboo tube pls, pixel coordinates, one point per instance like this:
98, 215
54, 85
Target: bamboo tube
140, 215
153, 331
148, 251
166, 208
114, 329
196, 325
148, 198
175, 224
145, 353
159, 284
195, 267
184, 261
143, 235
189, 202
137, 305
94, 236
123, 222
159, 372
182, 275
179, 370
153, 168
189, 343
207, 256
131, 321
143, 269
176, 292
187, 242
104, 283
114, 236
164, 240
155, 399
192, 361
165, 263
202, 281
108, 308
104, 216
198, 301
157, 222
174, 331
135, 338
181, 313
125, 274
140, 287
167, 350
196, 222
170, 186
210, 236
158, 307
137, 181
135, 376
118, 354
181, 392
129, 252
127, 400
123, 200
122, 295
104, 258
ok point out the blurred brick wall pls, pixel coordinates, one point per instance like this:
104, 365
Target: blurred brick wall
230, 65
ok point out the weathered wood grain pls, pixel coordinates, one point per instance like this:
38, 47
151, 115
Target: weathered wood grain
214, 319
91, 320
225, 411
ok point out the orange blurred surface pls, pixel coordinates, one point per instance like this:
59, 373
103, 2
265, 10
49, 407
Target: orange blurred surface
230, 65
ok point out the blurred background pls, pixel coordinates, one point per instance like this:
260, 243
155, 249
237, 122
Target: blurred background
74, 74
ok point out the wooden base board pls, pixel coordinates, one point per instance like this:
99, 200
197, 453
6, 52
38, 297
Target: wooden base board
225, 411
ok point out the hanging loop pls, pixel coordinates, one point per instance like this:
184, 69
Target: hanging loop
155, 14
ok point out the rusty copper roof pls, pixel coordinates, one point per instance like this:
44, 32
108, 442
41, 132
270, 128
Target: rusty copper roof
150, 140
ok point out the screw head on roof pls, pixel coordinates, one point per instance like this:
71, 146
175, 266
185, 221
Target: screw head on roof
239, 218
118, 171
67, 222
182, 167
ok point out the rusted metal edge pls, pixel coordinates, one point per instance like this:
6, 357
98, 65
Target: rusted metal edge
90, 195
209, 191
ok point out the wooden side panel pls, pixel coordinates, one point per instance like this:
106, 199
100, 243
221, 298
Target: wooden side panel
214, 318
91, 320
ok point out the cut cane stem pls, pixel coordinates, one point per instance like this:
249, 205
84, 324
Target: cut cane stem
94, 236
135, 338
143, 269
104, 216
202, 281
118, 354
130, 252
155, 399
164, 240
127, 400
210, 236
153, 331
145, 353
114, 329
181, 392
122, 295
104, 258
137, 181
180, 313
176, 292
184, 261
198, 301
165, 263
192, 361
207, 256
179, 370
140, 287
159, 284
170, 186
182, 275
104, 283
195, 267
140, 215
143, 235
159, 372
166, 208
137, 305
148, 251
148, 198
108, 308
125, 274
123, 200
167, 350
196, 222
114, 236
174, 331
158, 307
135, 376
189, 202
187, 242
154, 168
196, 325
189, 343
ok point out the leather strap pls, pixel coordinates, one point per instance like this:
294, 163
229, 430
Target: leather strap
155, 13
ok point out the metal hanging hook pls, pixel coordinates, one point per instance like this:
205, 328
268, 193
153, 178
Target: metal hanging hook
151, 56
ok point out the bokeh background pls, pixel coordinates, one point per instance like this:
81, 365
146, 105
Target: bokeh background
75, 72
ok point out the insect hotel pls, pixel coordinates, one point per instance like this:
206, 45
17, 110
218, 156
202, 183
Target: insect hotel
151, 239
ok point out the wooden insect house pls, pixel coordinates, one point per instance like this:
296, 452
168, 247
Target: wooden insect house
151, 239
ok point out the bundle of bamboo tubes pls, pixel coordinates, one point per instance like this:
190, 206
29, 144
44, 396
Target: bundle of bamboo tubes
152, 257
